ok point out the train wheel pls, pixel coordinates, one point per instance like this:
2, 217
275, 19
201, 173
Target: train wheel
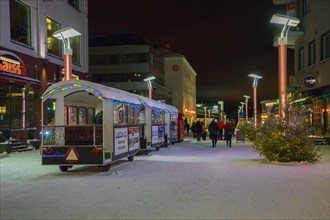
130, 158
106, 168
157, 148
64, 168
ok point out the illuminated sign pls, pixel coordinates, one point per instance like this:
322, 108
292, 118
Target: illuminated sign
11, 63
310, 80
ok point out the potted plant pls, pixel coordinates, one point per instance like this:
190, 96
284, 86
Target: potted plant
32, 141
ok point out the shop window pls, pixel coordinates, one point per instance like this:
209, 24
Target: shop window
325, 45
20, 22
53, 44
312, 53
11, 103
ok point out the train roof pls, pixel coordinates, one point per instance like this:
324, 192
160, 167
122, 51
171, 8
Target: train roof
64, 88
150, 102
171, 108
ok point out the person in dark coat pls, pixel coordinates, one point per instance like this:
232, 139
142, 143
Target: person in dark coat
193, 129
229, 131
214, 130
199, 129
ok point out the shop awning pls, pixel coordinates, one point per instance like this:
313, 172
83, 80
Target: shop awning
18, 79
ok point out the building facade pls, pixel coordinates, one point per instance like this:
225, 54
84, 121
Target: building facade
124, 60
310, 84
31, 58
180, 77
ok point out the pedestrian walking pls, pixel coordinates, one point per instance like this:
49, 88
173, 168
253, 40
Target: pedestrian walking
214, 130
199, 129
229, 131
220, 126
193, 129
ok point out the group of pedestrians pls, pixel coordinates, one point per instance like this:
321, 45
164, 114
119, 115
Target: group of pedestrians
216, 131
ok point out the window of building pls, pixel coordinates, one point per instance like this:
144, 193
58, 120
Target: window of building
74, 3
75, 45
20, 22
301, 58
128, 58
303, 8
142, 58
312, 53
53, 44
325, 46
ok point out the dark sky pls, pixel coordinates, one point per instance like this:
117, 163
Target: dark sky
224, 41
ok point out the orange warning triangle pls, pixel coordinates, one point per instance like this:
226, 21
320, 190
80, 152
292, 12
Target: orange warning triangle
72, 155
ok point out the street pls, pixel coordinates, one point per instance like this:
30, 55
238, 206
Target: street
188, 180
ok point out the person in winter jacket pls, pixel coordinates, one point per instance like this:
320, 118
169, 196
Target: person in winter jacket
220, 126
229, 131
199, 129
214, 130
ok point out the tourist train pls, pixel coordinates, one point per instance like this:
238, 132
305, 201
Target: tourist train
85, 123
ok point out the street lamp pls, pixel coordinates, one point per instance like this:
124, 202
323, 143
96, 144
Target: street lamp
205, 115
246, 106
287, 22
254, 85
238, 111
65, 34
148, 80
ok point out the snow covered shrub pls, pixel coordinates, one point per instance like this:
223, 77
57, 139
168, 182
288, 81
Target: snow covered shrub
286, 140
248, 130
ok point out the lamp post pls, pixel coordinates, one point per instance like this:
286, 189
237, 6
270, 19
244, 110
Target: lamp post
148, 80
238, 111
205, 114
287, 22
246, 106
65, 34
255, 85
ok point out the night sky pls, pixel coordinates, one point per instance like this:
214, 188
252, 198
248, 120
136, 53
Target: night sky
224, 41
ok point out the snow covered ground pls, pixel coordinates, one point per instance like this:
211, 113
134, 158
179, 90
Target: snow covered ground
184, 181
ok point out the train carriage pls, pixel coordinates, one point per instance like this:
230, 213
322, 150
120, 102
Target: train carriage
92, 124
152, 120
171, 121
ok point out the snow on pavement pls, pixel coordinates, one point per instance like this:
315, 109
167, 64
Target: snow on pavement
189, 180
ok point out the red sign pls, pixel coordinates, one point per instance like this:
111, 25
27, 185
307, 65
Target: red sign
11, 63
175, 68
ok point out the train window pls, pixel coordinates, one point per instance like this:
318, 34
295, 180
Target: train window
120, 114
158, 116
130, 115
133, 115
73, 115
99, 118
90, 116
136, 116
82, 115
